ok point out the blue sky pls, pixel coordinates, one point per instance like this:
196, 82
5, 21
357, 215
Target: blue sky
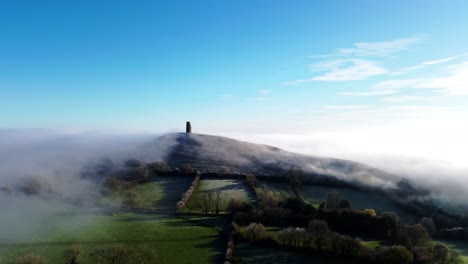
242, 66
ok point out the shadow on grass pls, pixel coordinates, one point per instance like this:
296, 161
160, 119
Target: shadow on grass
174, 187
218, 244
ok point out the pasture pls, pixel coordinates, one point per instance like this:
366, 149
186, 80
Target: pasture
280, 189
175, 240
229, 188
359, 200
161, 191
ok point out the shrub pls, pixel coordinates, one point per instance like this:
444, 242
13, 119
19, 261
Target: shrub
395, 254
131, 200
255, 232
72, 255
121, 255
31, 259
296, 237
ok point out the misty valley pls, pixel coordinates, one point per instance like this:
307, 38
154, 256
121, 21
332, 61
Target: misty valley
193, 198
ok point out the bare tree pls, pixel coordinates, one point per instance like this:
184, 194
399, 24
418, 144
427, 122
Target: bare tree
31, 259
72, 255
217, 201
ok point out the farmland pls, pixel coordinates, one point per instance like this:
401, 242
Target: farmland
229, 188
359, 200
175, 239
185, 238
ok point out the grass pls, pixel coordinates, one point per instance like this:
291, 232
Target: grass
175, 240
280, 189
359, 200
461, 246
229, 189
372, 243
161, 191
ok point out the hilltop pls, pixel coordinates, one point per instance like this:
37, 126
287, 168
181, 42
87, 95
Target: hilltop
214, 153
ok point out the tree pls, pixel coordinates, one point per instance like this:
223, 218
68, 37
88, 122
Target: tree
111, 255
251, 181
143, 255
333, 199
412, 236
295, 178
395, 254
428, 224
137, 170
31, 259
32, 187
217, 201
390, 221
370, 212
319, 229
255, 232
186, 169
454, 257
295, 204
440, 253
345, 204
73, 255
422, 255
207, 199
113, 184
159, 167
131, 200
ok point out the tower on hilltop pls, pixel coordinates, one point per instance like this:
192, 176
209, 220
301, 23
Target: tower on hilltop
188, 127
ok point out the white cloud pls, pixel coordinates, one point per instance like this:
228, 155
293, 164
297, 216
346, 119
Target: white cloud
401, 99
347, 70
381, 48
369, 93
346, 107
353, 67
261, 95
426, 64
454, 83
396, 84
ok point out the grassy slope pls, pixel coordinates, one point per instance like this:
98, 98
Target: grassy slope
229, 189
175, 240
161, 191
461, 246
358, 199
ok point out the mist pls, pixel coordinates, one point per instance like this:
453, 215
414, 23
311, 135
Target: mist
418, 152
56, 159
59, 156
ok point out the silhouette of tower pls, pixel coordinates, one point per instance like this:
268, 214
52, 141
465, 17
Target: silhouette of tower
188, 127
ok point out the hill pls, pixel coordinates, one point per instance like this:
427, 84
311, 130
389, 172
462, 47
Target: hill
206, 152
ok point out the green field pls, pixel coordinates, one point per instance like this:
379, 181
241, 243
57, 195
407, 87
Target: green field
461, 246
280, 189
161, 191
359, 200
229, 189
174, 240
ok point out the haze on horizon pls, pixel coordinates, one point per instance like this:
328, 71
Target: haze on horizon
384, 83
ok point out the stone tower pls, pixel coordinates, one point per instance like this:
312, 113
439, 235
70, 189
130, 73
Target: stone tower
188, 127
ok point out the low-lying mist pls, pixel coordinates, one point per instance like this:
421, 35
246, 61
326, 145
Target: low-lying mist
430, 161
52, 162
58, 158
